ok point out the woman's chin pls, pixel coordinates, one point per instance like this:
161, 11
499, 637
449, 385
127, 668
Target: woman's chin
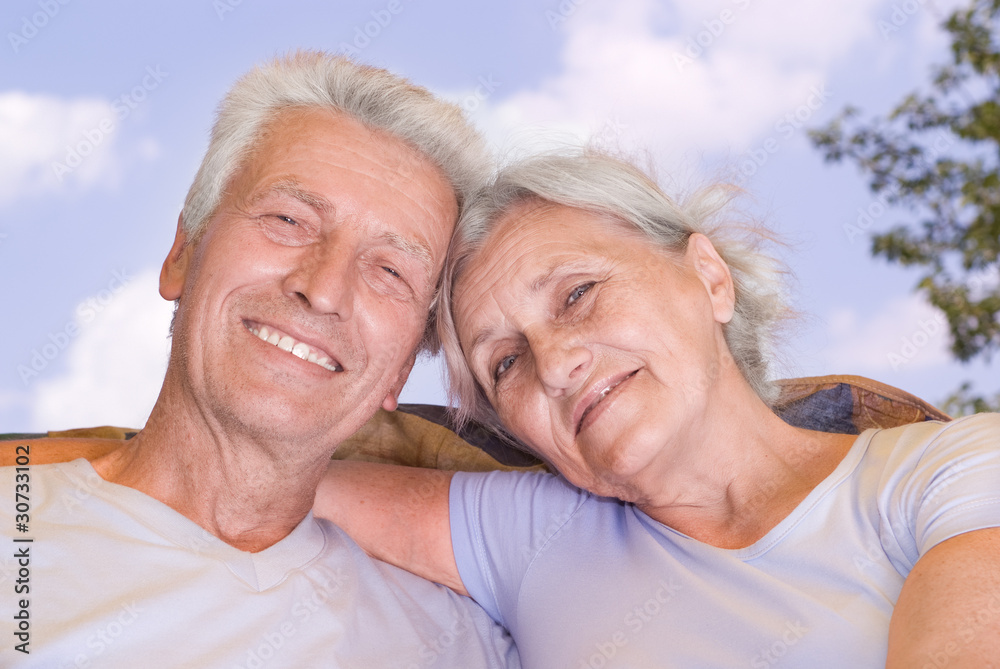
619, 472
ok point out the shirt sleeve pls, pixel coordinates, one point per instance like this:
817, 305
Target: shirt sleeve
942, 480
500, 522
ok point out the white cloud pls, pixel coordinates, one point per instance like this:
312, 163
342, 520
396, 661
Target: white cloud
38, 133
906, 334
757, 63
115, 365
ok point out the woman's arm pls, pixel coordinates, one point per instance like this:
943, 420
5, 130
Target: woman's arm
396, 514
948, 613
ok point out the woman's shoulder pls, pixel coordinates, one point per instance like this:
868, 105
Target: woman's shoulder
536, 502
981, 430
535, 487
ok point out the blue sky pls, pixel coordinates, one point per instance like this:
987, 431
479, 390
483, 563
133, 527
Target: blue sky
105, 109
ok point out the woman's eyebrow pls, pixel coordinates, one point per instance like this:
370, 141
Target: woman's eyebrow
557, 270
483, 335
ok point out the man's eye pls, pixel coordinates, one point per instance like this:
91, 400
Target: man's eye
505, 363
392, 272
578, 292
286, 219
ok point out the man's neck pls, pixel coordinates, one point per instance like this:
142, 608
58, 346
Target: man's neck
248, 493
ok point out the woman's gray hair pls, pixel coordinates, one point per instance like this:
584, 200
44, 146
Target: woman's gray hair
372, 96
603, 184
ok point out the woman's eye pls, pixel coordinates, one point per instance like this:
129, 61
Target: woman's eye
287, 219
504, 364
578, 292
392, 272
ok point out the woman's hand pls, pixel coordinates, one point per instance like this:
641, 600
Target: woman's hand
948, 613
396, 514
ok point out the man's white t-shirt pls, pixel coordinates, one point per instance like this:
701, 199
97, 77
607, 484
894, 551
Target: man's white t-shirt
115, 578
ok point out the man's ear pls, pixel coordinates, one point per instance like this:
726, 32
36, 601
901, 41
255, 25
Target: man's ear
714, 274
391, 400
175, 267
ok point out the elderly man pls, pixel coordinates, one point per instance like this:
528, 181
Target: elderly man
305, 264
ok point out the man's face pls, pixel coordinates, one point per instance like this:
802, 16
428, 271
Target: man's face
302, 303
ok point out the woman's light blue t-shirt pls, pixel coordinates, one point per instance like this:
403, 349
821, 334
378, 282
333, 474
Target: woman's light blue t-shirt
590, 582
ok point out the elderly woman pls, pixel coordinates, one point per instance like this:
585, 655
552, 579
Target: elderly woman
614, 335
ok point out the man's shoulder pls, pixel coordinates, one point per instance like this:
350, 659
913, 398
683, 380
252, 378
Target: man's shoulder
34, 486
386, 586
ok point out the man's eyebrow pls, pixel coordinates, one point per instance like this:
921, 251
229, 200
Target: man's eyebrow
417, 249
412, 247
292, 188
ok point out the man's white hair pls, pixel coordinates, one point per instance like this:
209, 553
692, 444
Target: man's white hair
374, 97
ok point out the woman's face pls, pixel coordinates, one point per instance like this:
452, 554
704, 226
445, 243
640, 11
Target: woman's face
598, 349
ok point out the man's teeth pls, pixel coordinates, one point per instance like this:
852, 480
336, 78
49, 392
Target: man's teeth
296, 348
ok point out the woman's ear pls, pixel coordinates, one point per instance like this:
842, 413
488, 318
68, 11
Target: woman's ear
175, 267
714, 274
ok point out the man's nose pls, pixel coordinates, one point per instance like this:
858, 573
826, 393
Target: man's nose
325, 278
562, 363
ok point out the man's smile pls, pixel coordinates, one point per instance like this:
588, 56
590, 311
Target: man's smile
297, 348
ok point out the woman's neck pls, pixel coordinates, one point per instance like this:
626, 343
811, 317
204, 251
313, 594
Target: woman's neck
745, 471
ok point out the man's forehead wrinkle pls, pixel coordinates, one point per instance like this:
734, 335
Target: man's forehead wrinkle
407, 164
397, 165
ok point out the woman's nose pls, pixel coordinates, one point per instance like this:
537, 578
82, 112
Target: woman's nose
562, 365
